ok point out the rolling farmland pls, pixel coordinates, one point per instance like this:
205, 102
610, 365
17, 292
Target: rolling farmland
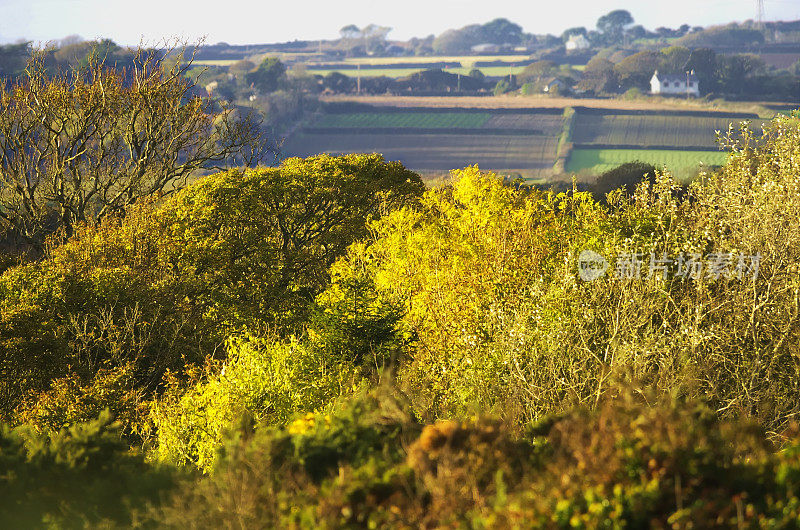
530, 156
406, 119
652, 130
433, 140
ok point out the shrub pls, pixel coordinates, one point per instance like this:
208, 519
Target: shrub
637, 460
167, 284
267, 381
83, 476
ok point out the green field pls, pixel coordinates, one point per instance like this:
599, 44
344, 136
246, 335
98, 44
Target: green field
491, 71
652, 130
683, 164
433, 120
465, 60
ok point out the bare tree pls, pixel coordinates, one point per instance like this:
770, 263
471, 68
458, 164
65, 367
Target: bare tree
80, 145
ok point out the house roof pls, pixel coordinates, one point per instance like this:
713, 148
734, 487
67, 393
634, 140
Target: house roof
577, 38
672, 78
551, 80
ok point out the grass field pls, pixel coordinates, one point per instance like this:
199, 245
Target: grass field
438, 120
683, 164
680, 131
465, 60
490, 71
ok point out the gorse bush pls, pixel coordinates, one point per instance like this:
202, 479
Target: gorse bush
639, 459
84, 476
269, 382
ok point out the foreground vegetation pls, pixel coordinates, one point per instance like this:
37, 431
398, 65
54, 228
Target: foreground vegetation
327, 343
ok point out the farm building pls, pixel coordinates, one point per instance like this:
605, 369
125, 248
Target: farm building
675, 84
578, 42
553, 85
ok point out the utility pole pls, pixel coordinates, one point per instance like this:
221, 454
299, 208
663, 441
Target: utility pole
358, 79
459, 82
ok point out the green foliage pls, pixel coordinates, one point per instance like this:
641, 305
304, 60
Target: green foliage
268, 76
638, 460
165, 286
626, 176
83, 476
487, 280
264, 380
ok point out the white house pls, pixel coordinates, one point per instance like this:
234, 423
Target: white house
679, 84
578, 42
486, 47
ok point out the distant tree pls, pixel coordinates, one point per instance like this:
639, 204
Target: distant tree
502, 87
599, 76
626, 176
338, 83
456, 41
476, 73
722, 36
268, 76
374, 37
350, 31
636, 70
70, 39
501, 31
735, 72
241, 68
674, 59
537, 71
573, 32
13, 58
666, 33
704, 63
613, 24
637, 32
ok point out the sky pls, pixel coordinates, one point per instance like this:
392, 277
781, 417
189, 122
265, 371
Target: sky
264, 21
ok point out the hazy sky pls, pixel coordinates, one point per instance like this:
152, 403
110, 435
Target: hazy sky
240, 22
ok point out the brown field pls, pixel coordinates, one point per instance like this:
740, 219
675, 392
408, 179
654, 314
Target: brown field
529, 156
545, 123
527, 102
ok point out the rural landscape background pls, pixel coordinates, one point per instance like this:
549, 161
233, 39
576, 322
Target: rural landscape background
485, 278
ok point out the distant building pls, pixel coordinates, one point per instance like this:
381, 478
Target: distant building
486, 47
578, 42
553, 85
678, 85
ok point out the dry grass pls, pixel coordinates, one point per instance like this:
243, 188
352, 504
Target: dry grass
542, 101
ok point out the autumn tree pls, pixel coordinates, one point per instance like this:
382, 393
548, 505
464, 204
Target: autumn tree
81, 145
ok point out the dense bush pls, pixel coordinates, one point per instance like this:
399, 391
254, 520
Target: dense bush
266, 381
83, 476
263, 308
166, 285
487, 278
639, 460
